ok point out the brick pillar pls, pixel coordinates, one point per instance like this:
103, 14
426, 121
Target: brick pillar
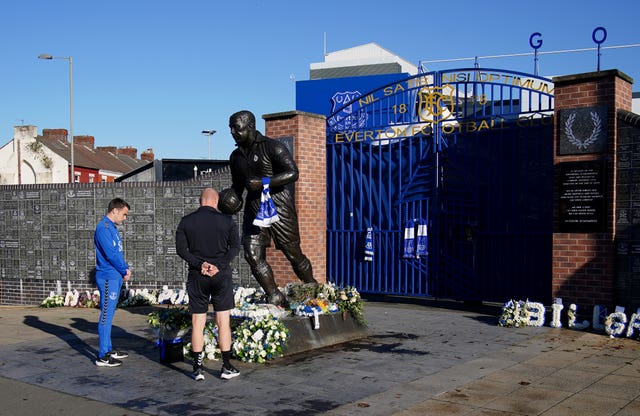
583, 268
309, 153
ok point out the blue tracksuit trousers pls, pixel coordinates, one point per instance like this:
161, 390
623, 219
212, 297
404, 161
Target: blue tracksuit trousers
109, 295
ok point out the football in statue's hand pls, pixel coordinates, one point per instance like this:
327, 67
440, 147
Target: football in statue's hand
229, 202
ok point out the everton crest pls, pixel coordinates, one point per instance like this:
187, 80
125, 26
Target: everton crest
347, 119
436, 103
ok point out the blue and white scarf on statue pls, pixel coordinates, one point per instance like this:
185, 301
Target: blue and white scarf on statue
267, 214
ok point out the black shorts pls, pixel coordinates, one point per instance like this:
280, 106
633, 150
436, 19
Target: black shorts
217, 290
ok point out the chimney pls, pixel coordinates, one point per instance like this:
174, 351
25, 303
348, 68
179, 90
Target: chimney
88, 141
128, 151
55, 134
147, 155
111, 149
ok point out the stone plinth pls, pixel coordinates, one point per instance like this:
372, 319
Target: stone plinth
334, 329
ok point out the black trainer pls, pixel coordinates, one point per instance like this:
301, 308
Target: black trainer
229, 372
108, 361
198, 374
118, 354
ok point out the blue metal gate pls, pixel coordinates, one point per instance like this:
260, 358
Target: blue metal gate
451, 173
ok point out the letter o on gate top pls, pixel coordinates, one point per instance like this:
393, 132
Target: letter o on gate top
537, 43
595, 32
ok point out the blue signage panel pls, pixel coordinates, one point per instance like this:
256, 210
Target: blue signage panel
324, 96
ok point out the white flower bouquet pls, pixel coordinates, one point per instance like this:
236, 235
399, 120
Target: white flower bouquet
258, 340
52, 301
211, 350
138, 298
170, 323
514, 314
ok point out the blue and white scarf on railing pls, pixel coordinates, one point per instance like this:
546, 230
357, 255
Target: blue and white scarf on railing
422, 239
267, 214
368, 245
415, 243
409, 235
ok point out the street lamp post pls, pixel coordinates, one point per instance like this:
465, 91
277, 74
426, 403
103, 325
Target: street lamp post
209, 133
70, 59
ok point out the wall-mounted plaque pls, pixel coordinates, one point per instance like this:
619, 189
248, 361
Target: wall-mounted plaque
582, 197
582, 130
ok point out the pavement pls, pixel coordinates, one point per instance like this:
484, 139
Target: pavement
421, 358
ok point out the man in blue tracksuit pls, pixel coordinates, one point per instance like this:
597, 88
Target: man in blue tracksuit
111, 271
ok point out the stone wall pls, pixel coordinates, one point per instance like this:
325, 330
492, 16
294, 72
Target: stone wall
46, 231
627, 287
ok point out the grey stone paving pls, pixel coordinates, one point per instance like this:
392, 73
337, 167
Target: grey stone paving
416, 360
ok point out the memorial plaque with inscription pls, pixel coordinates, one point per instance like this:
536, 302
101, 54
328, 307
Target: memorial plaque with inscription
582, 197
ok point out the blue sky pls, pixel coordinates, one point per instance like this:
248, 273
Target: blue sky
154, 74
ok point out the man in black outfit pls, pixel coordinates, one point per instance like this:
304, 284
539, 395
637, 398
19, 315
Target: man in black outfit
255, 158
208, 241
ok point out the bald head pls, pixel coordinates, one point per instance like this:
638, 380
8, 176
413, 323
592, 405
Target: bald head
209, 198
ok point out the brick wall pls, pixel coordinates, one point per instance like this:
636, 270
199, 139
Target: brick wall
583, 268
309, 152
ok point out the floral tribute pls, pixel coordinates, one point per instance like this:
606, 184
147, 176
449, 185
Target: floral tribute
252, 303
211, 350
514, 314
555, 315
307, 299
572, 314
73, 298
170, 323
259, 336
615, 324
52, 301
138, 298
128, 298
260, 339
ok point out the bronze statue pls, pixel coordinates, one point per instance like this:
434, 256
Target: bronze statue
259, 157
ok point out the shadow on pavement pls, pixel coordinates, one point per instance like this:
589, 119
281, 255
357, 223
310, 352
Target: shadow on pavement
64, 334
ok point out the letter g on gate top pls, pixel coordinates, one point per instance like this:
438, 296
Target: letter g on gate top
535, 40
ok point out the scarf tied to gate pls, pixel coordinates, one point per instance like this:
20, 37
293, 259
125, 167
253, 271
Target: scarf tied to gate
267, 214
368, 245
409, 235
415, 243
